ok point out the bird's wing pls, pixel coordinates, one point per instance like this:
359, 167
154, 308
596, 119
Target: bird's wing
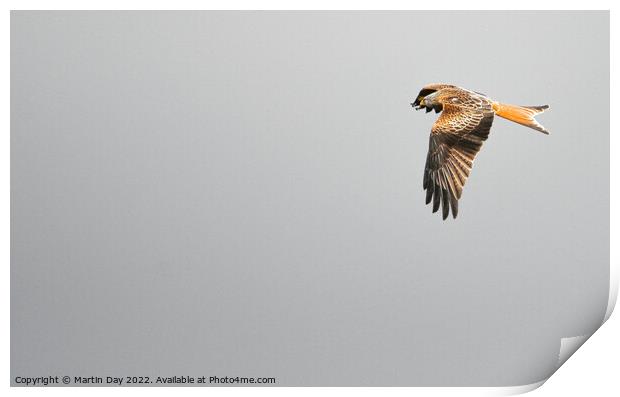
456, 138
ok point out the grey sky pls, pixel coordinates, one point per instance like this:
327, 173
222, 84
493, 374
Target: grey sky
220, 193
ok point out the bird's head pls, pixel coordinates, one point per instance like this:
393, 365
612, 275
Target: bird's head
425, 98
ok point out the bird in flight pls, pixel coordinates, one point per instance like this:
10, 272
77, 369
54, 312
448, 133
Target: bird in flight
457, 136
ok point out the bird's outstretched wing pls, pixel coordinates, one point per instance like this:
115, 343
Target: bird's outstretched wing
456, 138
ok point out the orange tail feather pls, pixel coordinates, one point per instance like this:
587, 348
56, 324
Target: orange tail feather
523, 115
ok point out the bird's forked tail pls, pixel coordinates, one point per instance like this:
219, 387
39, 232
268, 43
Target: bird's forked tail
523, 115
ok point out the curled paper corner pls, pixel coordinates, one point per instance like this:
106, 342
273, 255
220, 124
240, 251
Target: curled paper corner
568, 346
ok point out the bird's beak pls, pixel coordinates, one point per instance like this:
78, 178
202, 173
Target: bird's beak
419, 103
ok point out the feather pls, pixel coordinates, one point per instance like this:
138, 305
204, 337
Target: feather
456, 137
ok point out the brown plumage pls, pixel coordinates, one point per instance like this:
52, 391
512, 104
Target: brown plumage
457, 136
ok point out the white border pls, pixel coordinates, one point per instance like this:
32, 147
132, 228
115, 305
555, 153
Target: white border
300, 5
